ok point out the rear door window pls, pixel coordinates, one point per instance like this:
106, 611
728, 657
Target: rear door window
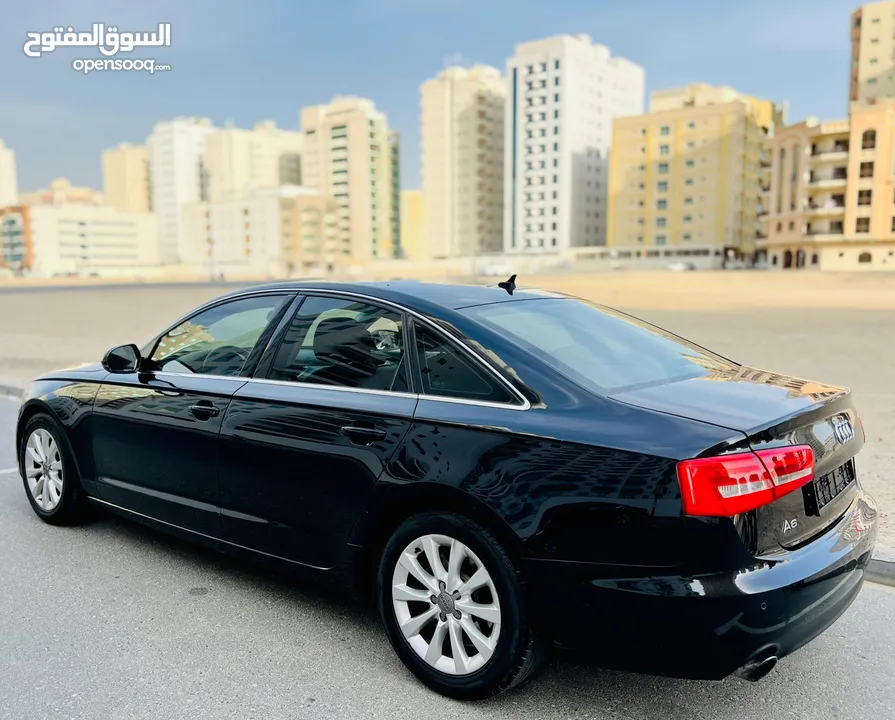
445, 371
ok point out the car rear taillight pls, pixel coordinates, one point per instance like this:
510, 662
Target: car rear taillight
727, 485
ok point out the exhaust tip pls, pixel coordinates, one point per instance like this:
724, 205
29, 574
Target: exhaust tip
757, 669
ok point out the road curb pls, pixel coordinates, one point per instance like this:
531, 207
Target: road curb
11, 391
882, 572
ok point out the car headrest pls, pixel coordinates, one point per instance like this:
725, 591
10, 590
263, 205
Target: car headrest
344, 341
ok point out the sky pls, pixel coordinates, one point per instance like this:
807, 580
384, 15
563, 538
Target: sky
241, 61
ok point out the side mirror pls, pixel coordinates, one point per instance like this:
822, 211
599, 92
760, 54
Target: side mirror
122, 359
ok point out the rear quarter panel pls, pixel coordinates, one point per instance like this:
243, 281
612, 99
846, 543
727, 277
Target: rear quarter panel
593, 481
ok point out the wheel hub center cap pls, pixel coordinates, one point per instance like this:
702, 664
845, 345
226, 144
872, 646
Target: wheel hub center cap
445, 603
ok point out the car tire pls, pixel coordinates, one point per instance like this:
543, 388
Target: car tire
505, 650
47, 465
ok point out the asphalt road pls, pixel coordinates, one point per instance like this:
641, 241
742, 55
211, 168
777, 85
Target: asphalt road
115, 622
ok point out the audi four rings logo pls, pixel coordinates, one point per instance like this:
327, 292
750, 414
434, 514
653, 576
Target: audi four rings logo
843, 430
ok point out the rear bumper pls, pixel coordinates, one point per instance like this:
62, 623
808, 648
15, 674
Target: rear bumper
707, 626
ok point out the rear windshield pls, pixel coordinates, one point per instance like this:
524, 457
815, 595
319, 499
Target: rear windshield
603, 350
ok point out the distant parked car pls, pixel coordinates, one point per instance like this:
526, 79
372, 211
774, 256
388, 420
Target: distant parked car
681, 266
734, 265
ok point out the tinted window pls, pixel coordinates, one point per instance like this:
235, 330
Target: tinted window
334, 341
603, 350
446, 372
217, 341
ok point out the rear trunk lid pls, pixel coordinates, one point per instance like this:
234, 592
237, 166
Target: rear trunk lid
772, 410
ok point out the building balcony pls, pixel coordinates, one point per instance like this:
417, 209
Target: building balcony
831, 155
830, 231
825, 209
826, 182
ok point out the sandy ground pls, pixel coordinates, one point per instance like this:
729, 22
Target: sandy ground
832, 328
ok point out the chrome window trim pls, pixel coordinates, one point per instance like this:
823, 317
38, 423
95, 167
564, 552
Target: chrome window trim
523, 405
386, 393
472, 354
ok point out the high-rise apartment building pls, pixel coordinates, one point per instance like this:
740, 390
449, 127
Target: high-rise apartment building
830, 191
9, 183
873, 52
178, 177
394, 148
563, 94
413, 226
126, 178
237, 161
462, 113
686, 174
266, 231
347, 156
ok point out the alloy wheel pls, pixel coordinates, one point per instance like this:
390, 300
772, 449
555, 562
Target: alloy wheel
43, 469
446, 604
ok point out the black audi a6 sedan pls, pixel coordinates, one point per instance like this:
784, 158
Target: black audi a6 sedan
509, 471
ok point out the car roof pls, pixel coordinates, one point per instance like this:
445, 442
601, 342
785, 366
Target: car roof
417, 295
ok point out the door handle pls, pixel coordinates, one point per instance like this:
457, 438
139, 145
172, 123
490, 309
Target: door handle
204, 411
363, 435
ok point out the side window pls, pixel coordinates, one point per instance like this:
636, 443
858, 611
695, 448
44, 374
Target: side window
342, 342
447, 372
217, 341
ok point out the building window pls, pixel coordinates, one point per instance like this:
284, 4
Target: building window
662, 186
893, 224
862, 225
661, 204
555, 147
688, 218
556, 114
556, 129
687, 237
865, 197
868, 140
663, 167
660, 239
556, 64
688, 181
664, 150
665, 130
661, 222
873, 61
814, 259
556, 80
866, 169
779, 227
792, 225
865, 257
555, 162
690, 163
688, 201
691, 125
555, 97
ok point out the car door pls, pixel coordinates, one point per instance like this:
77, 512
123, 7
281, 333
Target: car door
304, 442
155, 432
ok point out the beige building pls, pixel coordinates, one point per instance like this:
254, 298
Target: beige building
348, 157
75, 238
268, 231
126, 178
9, 183
61, 191
873, 52
686, 174
237, 160
462, 112
413, 226
830, 192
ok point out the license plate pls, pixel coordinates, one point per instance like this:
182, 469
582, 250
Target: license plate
830, 486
